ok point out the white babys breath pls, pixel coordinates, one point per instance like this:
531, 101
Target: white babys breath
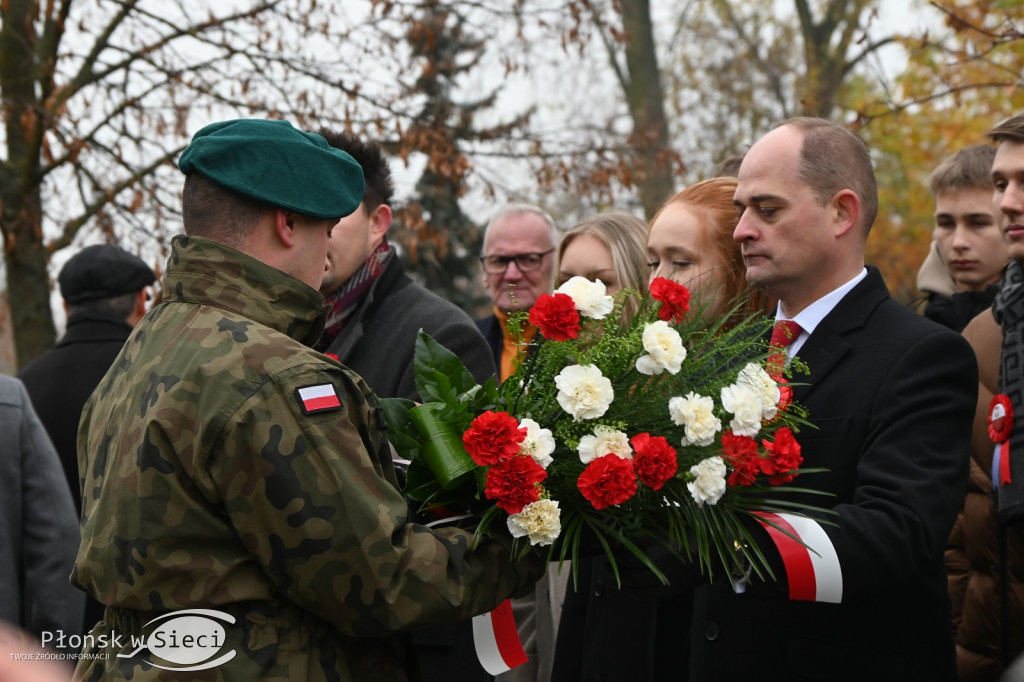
591, 297
584, 392
709, 481
539, 443
757, 379
604, 441
664, 347
541, 520
746, 409
696, 413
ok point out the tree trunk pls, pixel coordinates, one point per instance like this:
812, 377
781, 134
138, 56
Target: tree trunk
646, 99
28, 284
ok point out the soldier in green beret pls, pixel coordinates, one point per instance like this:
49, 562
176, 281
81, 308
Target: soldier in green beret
240, 513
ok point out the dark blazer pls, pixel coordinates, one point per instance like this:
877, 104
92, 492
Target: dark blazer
379, 342
893, 397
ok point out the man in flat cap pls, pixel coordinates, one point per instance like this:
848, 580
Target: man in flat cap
240, 509
105, 292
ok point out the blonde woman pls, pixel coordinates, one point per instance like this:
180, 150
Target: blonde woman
610, 247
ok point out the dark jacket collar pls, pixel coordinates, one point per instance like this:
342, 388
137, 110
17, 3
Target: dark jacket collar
391, 280
827, 345
95, 326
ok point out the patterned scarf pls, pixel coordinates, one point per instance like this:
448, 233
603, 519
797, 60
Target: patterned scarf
1008, 310
347, 298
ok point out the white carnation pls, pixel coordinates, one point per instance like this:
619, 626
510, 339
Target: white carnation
696, 413
605, 441
746, 409
539, 443
664, 347
541, 520
756, 379
709, 481
584, 392
591, 298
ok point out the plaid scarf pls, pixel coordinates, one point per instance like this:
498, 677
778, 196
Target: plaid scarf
347, 298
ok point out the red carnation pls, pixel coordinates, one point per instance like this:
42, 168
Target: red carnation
740, 452
512, 484
783, 457
654, 459
785, 394
607, 481
493, 437
556, 317
674, 297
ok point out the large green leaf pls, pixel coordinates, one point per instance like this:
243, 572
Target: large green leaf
402, 432
440, 375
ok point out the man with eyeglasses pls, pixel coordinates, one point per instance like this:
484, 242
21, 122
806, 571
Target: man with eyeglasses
518, 263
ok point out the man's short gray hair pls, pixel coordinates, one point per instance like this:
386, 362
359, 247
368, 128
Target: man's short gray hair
510, 210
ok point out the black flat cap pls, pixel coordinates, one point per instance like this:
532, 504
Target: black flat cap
277, 164
103, 271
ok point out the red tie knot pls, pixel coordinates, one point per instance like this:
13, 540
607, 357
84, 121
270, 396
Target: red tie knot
784, 333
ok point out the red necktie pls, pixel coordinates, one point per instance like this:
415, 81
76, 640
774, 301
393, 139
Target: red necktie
783, 333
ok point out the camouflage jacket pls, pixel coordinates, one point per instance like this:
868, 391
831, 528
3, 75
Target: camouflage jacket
212, 479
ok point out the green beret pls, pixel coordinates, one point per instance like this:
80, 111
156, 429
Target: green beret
277, 164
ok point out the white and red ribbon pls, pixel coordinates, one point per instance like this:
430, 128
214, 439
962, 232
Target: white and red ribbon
810, 559
497, 640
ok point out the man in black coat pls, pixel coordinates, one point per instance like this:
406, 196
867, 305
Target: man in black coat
891, 395
105, 292
376, 309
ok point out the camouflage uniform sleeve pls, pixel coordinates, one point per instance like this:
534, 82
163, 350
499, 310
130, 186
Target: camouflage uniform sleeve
314, 508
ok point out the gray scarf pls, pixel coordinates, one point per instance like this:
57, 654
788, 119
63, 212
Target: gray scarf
1008, 309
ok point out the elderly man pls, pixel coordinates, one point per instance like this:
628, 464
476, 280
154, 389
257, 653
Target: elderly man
105, 290
237, 483
518, 262
862, 594
105, 293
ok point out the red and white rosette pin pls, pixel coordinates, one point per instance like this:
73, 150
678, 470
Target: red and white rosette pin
1000, 426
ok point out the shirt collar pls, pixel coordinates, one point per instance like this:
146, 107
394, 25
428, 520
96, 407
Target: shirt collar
810, 317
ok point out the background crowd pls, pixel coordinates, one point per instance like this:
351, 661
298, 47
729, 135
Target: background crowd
216, 441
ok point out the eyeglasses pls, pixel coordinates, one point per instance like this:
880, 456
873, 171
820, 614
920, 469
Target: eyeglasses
526, 262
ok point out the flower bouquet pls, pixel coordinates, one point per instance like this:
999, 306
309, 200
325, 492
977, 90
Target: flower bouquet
658, 430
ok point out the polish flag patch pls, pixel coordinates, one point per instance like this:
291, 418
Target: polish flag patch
318, 398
